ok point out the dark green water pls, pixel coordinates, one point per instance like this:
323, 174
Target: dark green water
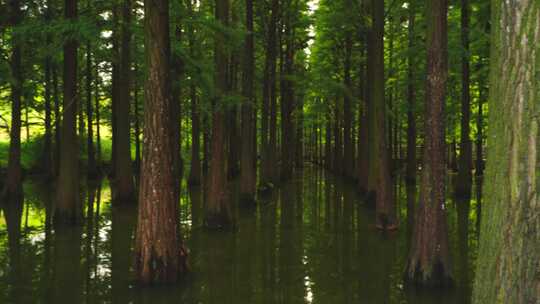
313, 241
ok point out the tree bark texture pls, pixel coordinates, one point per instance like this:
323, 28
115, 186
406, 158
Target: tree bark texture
429, 261
68, 210
508, 264
159, 256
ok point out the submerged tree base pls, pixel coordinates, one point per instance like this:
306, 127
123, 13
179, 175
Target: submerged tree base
158, 269
437, 277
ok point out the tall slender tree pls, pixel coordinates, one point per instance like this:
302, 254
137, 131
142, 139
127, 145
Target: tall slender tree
509, 254
411, 99
268, 115
92, 169
195, 172
68, 210
287, 91
218, 214
13, 186
47, 157
347, 109
124, 190
464, 182
384, 205
159, 257
248, 174
429, 261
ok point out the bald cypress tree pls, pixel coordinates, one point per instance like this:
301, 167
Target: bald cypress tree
159, 255
384, 204
429, 261
218, 213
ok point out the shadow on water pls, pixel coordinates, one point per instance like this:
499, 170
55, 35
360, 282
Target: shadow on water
313, 240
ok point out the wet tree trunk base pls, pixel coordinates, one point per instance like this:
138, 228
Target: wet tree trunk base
436, 276
155, 267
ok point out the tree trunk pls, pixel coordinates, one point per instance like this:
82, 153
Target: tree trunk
384, 204
411, 102
370, 65
98, 121
218, 213
115, 70
479, 170
57, 120
92, 170
68, 210
338, 144
176, 109
137, 125
429, 262
47, 158
328, 143
206, 144
299, 144
13, 186
464, 181
363, 132
159, 255
287, 99
509, 253
195, 172
269, 101
347, 111
124, 190
248, 174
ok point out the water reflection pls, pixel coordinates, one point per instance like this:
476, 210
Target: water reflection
312, 241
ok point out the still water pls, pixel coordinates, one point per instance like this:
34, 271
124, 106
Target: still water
312, 241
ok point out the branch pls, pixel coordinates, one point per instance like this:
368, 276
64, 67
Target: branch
5, 122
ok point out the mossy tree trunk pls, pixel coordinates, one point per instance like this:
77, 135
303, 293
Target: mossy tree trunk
509, 256
429, 262
159, 256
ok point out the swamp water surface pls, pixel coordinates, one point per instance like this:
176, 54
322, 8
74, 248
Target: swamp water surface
312, 241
